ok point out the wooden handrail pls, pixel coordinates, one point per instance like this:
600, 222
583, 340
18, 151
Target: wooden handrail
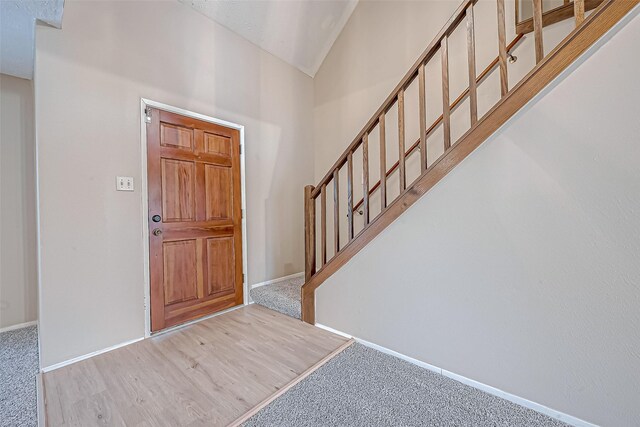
481, 77
547, 68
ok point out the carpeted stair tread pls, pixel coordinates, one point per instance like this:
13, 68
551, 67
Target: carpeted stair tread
283, 297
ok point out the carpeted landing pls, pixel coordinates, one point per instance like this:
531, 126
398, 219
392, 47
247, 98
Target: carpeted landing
283, 297
364, 387
18, 369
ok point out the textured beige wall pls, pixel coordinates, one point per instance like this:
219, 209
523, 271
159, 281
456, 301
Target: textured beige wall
90, 77
18, 268
520, 269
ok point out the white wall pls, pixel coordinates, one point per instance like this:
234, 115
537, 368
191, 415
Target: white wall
18, 270
89, 78
520, 269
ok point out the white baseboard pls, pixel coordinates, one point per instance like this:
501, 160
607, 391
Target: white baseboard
335, 331
565, 418
574, 421
278, 280
88, 355
18, 326
40, 409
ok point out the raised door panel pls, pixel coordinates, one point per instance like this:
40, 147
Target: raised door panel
178, 190
218, 192
176, 136
180, 271
220, 266
217, 144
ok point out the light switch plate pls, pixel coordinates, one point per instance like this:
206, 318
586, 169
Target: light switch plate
124, 183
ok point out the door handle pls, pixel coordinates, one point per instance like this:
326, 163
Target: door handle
157, 232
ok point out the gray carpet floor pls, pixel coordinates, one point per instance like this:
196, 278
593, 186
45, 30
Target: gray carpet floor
18, 369
283, 297
364, 387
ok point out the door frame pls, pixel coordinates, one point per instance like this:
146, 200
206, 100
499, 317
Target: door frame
144, 195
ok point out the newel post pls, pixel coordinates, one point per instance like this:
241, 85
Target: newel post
308, 295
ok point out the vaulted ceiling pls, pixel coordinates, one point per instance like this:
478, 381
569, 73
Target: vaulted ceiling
17, 32
300, 32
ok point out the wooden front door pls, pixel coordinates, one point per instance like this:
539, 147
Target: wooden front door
195, 218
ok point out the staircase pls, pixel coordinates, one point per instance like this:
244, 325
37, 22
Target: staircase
283, 296
318, 265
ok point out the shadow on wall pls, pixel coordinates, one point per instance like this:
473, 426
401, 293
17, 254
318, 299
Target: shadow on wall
18, 268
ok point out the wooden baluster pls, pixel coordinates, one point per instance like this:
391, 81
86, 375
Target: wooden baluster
383, 162
336, 212
537, 29
323, 225
365, 178
309, 233
423, 119
502, 49
471, 54
350, 193
578, 11
401, 152
446, 111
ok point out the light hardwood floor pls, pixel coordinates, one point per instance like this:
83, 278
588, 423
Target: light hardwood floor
208, 373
